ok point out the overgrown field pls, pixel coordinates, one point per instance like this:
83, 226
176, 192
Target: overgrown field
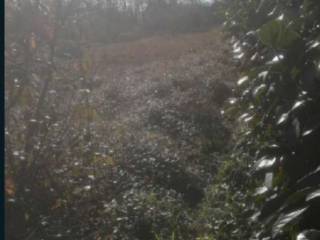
120, 127
127, 141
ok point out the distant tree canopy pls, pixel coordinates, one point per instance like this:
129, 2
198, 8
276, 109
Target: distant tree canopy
110, 20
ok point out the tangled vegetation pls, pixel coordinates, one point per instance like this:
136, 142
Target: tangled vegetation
103, 143
115, 142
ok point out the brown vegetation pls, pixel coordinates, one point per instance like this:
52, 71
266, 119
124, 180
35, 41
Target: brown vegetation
92, 130
167, 47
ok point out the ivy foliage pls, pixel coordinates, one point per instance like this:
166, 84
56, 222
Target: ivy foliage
276, 44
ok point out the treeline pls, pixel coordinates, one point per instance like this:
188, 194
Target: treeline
115, 21
108, 21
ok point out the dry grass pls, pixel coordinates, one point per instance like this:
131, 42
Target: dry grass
157, 48
161, 87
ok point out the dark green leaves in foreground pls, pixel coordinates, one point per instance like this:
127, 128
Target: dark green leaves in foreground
279, 114
276, 34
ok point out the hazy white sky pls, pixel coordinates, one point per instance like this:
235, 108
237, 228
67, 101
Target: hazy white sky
205, 1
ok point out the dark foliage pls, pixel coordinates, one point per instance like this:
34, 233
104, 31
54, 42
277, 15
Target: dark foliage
276, 44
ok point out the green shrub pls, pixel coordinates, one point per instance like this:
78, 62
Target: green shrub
276, 44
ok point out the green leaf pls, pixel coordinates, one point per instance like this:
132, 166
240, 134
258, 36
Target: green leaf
285, 219
277, 35
310, 234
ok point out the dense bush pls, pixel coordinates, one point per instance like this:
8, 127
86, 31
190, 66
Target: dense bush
276, 45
